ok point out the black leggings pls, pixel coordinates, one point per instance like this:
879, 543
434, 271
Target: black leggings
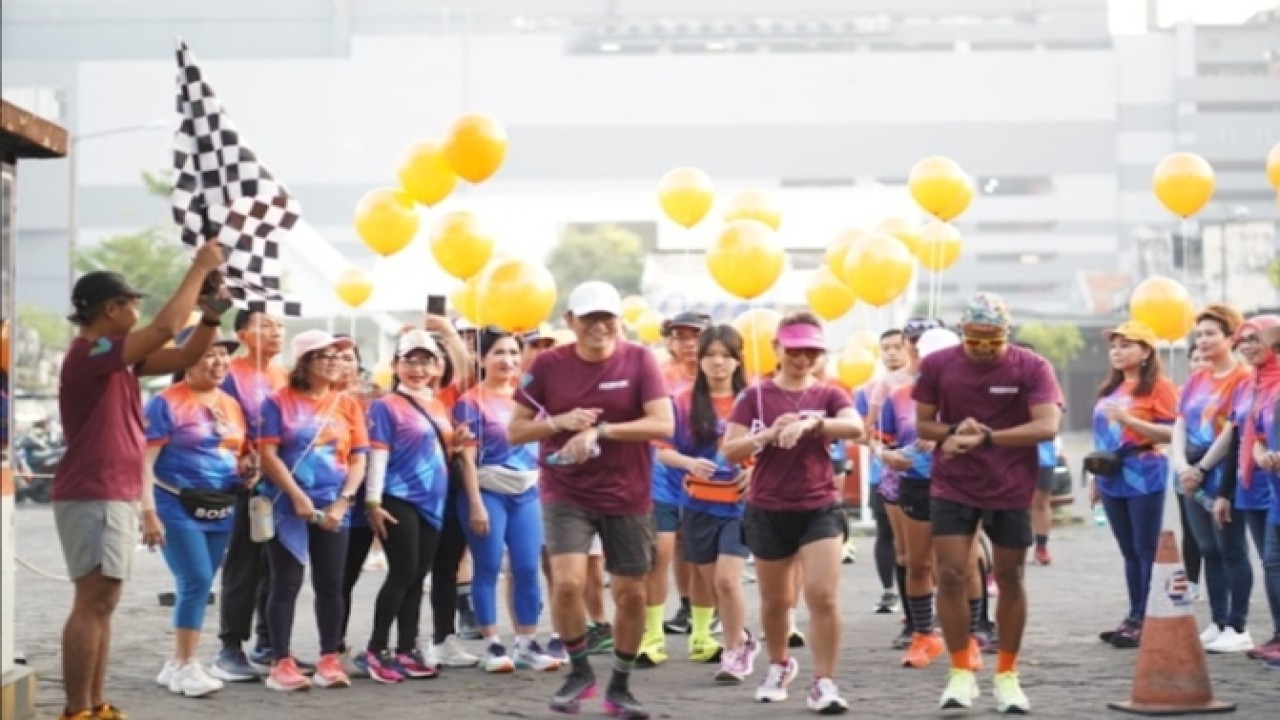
328, 551
444, 575
410, 547
360, 539
1191, 559
885, 557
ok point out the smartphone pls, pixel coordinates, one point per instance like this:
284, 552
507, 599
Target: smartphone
435, 305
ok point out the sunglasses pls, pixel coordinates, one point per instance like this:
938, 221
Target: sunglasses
809, 353
978, 344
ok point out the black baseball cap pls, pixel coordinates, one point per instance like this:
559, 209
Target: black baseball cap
697, 321
99, 286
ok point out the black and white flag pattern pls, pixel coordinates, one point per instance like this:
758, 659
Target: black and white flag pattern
221, 189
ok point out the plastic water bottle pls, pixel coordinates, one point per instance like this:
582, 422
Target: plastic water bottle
1099, 515
554, 458
1203, 499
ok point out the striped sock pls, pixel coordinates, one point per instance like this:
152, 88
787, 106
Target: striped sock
921, 609
975, 614
623, 663
577, 649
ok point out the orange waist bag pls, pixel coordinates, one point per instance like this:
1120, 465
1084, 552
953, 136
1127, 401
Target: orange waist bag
712, 491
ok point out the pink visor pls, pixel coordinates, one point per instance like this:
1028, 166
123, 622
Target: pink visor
801, 336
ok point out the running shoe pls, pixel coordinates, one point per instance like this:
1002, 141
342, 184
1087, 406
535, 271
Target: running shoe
264, 658
376, 562
1210, 633
1272, 663
451, 653
849, 555
903, 640
107, 711
166, 673
680, 623
988, 639
717, 627
923, 651
576, 688
80, 715
353, 663
191, 680
795, 639
824, 698
773, 689
1231, 641
557, 650
286, 677
1041, 556
737, 665
621, 703
652, 653
496, 660
329, 673
888, 603
530, 656
1265, 651
961, 690
1109, 636
381, 667
600, 639
704, 649
1010, 699
414, 666
233, 666
467, 627
1128, 638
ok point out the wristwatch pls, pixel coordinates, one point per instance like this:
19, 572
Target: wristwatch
600, 428
987, 439
349, 497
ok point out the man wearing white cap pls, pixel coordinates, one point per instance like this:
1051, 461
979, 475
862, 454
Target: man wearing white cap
594, 407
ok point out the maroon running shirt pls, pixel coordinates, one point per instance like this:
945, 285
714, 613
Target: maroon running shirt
1000, 395
101, 409
618, 481
800, 478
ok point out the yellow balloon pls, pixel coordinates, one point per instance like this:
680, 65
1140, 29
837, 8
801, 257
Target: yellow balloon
632, 307
940, 245
383, 374
475, 146
905, 230
1273, 166
386, 220
758, 327
839, 248
746, 259
354, 286
754, 204
517, 295
1183, 182
878, 268
828, 295
465, 299
940, 187
648, 326
424, 173
865, 339
1163, 305
460, 245
855, 366
685, 195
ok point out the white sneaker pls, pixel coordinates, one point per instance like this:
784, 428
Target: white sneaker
450, 653
529, 655
824, 698
376, 562
496, 659
774, 686
166, 673
961, 690
1211, 633
1230, 641
192, 681
1010, 700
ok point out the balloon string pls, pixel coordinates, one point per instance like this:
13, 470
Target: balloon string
1186, 246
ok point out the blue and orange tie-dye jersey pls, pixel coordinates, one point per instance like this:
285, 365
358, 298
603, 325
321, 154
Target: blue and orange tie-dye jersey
200, 447
684, 443
416, 469
1147, 471
1258, 495
898, 427
1205, 408
252, 387
487, 415
291, 420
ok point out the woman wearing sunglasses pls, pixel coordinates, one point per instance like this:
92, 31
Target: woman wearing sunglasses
196, 451
1135, 412
793, 509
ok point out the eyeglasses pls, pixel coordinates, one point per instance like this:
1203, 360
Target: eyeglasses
979, 344
1249, 340
597, 319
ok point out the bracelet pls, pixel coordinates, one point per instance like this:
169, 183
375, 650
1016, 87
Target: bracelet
211, 322
372, 504
600, 430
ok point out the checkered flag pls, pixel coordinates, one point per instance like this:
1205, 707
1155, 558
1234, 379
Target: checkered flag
221, 189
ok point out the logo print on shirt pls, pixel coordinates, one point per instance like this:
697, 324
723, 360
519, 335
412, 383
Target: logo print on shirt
614, 384
1003, 390
101, 345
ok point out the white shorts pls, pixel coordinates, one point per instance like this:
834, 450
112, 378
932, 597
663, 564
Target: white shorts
97, 533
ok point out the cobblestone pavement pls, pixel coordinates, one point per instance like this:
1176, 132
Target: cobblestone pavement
1066, 672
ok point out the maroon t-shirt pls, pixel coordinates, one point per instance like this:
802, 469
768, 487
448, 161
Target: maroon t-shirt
618, 481
1000, 395
799, 478
101, 409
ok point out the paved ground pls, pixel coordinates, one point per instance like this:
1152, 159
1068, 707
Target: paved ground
1066, 672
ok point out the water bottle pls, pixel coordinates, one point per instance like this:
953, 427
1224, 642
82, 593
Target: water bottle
1099, 515
554, 458
1202, 498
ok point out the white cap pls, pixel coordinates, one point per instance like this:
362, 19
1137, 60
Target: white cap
594, 296
462, 324
417, 340
312, 340
934, 340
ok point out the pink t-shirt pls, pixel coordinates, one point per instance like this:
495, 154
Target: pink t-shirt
101, 409
1000, 395
800, 478
616, 482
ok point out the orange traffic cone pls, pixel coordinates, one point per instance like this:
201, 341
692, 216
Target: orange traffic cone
1171, 677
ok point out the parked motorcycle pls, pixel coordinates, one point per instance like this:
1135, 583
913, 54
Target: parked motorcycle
37, 455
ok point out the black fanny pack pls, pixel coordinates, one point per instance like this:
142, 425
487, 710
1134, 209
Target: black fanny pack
203, 504
1108, 464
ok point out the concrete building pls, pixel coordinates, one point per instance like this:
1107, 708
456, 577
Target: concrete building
827, 104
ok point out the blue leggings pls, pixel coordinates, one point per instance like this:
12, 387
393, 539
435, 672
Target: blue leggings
194, 557
1135, 521
515, 527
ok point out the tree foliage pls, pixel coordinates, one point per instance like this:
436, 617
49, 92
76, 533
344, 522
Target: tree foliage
152, 259
600, 252
1059, 344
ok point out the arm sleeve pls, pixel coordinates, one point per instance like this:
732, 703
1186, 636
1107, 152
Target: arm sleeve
375, 478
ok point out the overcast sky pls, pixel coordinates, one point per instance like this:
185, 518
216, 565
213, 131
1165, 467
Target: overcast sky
1128, 16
